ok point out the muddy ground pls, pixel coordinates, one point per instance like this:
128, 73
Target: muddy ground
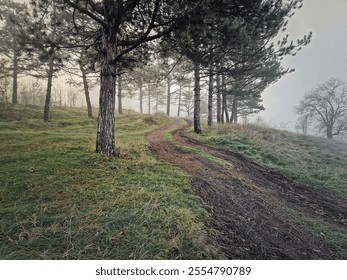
255, 211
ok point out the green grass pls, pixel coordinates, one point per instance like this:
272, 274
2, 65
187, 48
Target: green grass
60, 200
168, 136
333, 236
320, 162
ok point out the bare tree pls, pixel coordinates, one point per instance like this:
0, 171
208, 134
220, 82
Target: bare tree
326, 107
302, 124
72, 97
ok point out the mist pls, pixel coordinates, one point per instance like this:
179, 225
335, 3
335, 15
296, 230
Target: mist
323, 58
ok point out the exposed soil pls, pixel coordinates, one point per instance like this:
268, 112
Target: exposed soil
253, 209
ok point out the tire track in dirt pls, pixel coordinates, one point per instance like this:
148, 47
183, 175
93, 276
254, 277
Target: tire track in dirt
249, 204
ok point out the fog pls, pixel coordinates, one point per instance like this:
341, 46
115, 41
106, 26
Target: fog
323, 58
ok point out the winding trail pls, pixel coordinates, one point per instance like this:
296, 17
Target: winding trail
254, 210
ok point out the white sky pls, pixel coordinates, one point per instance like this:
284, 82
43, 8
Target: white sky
323, 58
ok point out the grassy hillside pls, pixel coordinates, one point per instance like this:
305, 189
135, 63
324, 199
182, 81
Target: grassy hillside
60, 200
318, 161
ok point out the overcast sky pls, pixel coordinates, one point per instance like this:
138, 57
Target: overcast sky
323, 58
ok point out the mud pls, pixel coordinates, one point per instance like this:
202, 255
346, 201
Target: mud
255, 211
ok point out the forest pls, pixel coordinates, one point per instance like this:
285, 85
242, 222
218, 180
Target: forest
153, 44
85, 178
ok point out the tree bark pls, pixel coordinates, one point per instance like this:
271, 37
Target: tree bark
149, 102
105, 141
234, 112
197, 123
210, 98
49, 87
15, 76
50, 69
219, 102
330, 132
86, 88
141, 97
224, 102
156, 104
168, 101
119, 94
179, 101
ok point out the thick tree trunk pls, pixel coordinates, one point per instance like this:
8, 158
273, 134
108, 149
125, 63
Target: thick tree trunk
210, 98
330, 132
15, 76
168, 101
49, 87
119, 94
105, 141
197, 123
219, 99
86, 88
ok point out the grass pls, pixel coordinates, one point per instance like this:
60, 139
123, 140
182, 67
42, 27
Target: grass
317, 161
168, 136
60, 200
320, 162
336, 238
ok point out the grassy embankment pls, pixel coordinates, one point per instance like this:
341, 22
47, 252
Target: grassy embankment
60, 200
314, 160
319, 162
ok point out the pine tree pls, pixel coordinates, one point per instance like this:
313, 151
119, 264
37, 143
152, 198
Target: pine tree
15, 61
120, 28
238, 34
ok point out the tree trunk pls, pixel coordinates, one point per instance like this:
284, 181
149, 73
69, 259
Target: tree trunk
105, 141
86, 88
219, 103
225, 106
179, 101
141, 97
197, 124
168, 102
149, 102
234, 112
210, 98
119, 94
156, 104
50, 69
15, 76
224, 102
330, 131
49, 87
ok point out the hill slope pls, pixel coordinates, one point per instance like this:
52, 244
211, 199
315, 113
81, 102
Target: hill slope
60, 200
318, 161
258, 213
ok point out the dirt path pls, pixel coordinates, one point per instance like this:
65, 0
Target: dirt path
250, 206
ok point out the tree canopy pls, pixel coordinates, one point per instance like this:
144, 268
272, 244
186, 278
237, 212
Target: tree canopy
232, 40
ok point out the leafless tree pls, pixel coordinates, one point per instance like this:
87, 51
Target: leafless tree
326, 107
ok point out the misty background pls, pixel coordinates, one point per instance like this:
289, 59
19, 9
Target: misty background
325, 57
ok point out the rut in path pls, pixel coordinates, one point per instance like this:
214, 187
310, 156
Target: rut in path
249, 205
